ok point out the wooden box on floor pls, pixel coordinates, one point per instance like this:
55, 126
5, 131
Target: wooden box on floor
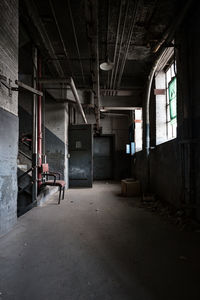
130, 187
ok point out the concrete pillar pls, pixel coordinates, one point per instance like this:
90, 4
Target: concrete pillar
8, 115
56, 122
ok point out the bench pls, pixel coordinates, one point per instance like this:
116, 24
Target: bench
55, 182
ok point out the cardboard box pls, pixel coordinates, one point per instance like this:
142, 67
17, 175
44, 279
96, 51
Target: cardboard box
130, 187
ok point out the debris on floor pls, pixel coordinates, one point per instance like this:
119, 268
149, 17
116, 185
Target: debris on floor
169, 213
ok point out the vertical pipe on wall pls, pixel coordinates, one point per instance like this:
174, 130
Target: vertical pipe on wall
147, 113
39, 124
150, 80
148, 95
43, 127
34, 132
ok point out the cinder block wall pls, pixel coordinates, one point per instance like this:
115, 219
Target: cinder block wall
8, 115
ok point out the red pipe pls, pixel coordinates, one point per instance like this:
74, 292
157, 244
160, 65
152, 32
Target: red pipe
39, 125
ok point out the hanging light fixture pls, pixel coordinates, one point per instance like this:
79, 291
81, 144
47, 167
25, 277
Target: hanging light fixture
106, 65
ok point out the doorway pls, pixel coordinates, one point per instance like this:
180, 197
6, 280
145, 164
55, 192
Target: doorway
103, 157
80, 150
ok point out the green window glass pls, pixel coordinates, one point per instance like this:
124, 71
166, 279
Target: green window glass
172, 99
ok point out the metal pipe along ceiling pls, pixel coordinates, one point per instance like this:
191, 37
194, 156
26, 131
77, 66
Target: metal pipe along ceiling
116, 42
107, 37
121, 42
116, 72
128, 44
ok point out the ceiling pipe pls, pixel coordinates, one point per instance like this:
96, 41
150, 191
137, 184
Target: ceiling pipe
120, 47
116, 42
109, 108
107, 38
69, 82
128, 44
76, 96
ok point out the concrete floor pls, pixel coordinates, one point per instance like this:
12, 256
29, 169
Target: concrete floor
97, 245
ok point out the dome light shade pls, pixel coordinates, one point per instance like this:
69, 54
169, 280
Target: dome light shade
106, 66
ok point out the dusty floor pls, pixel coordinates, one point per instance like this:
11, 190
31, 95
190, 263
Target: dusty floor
97, 245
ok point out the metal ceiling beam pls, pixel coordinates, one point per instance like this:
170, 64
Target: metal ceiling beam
35, 18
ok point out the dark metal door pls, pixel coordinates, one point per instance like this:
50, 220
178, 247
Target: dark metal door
103, 157
80, 161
